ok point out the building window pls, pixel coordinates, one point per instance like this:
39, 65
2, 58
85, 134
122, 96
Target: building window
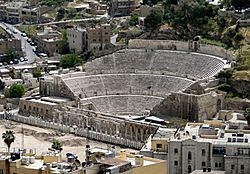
189, 156
219, 164
176, 163
203, 152
47, 111
175, 150
158, 145
219, 150
241, 167
203, 164
232, 167
216, 165
24, 106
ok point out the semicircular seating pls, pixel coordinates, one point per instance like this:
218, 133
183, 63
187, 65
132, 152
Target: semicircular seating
133, 80
184, 64
123, 104
125, 84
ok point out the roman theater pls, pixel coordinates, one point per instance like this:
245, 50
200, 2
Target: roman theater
123, 97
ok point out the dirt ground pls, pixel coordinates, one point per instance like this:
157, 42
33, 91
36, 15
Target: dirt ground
41, 139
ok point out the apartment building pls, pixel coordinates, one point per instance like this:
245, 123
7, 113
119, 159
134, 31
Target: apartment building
7, 42
48, 41
99, 37
122, 7
29, 163
205, 147
95, 39
20, 11
77, 39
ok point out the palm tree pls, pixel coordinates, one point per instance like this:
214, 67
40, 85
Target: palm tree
8, 138
56, 145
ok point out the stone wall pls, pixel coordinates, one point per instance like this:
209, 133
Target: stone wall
55, 87
178, 45
190, 106
93, 125
241, 86
41, 110
236, 104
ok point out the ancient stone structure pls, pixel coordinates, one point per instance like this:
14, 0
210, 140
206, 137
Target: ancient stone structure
190, 106
116, 89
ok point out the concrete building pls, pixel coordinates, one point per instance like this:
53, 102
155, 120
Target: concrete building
122, 7
20, 11
99, 37
95, 39
27, 162
96, 8
206, 147
77, 39
48, 41
8, 42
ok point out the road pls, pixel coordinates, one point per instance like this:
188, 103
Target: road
71, 20
26, 47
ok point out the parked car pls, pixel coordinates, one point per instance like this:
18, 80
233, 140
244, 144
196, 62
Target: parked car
25, 59
23, 34
16, 61
32, 43
21, 59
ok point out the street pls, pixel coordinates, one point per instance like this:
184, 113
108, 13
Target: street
26, 47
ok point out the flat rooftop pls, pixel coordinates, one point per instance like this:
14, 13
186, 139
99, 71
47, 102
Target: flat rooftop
43, 102
223, 138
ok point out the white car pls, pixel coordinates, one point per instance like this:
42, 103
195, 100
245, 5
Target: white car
23, 34
11, 62
1, 64
21, 59
43, 55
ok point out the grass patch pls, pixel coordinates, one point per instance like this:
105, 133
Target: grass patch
30, 30
241, 75
213, 42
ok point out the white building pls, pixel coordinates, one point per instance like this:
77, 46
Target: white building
200, 146
77, 39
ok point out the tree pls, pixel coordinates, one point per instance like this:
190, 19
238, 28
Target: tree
154, 19
70, 60
71, 13
227, 3
247, 115
237, 39
56, 145
2, 85
64, 45
8, 138
133, 20
10, 55
37, 73
16, 91
60, 14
